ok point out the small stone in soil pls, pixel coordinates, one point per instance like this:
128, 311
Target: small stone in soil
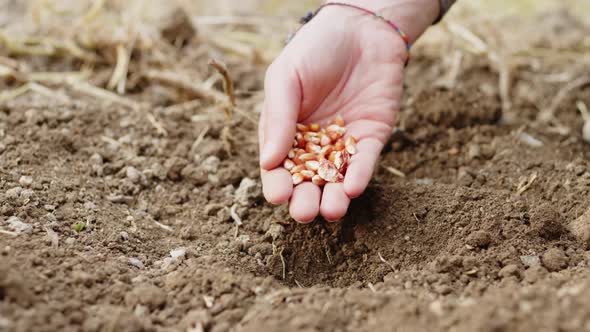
96, 159
178, 253
480, 239
248, 192
555, 259
26, 194
120, 199
197, 175
534, 273
88, 206
509, 271
136, 262
547, 222
17, 225
124, 236
580, 229
473, 151
530, 260
586, 131
436, 307
148, 295
211, 164
25, 181
133, 174
13, 193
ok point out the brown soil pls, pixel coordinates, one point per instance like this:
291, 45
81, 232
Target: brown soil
453, 246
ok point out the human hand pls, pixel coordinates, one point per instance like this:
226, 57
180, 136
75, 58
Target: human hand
341, 63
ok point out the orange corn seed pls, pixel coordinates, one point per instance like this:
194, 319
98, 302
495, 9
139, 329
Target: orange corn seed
320, 155
297, 178
350, 145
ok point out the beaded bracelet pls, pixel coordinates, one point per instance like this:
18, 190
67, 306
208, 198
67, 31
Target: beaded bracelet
307, 18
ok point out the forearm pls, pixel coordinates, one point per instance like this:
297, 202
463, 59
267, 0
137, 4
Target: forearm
412, 16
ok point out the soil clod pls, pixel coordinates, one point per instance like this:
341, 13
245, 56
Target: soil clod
555, 259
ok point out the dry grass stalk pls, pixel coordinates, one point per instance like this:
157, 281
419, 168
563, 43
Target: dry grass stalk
234, 215
162, 226
245, 115
478, 46
385, 261
525, 184
156, 124
102, 94
6, 71
44, 46
416, 217
26, 47
21, 74
9, 62
450, 81
228, 87
583, 110
228, 83
230, 20
183, 83
185, 106
200, 138
42, 90
502, 61
195, 90
110, 141
8, 232
283, 263
530, 140
555, 56
33, 87
395, 171
586, 117
504, 83
119, 78
94, 11
58, 78
52, 237
240, 49
548, 114
226, 139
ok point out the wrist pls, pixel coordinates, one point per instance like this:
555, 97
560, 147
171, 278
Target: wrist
374, 36
412, 16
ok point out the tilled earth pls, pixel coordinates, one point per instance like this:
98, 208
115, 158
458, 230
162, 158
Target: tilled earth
124, 220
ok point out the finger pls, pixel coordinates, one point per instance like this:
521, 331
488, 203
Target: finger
335, 202
261, 130
379, 128
362, 164
277, 185
305, 202
282, 104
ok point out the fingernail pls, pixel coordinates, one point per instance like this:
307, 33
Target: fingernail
265, 156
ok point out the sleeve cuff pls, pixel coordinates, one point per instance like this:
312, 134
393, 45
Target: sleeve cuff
445, 5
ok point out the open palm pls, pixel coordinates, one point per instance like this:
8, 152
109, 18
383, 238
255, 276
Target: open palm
331, 68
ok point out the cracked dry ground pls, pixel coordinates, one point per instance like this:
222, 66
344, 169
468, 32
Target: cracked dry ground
452, 246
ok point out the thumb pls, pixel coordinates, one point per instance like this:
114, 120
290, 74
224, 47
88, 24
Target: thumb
281, 110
